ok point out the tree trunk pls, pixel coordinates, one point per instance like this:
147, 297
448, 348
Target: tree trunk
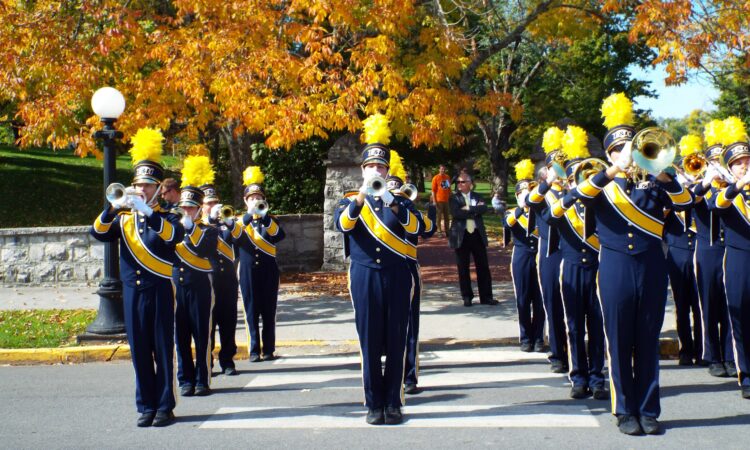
496, 132
238, 145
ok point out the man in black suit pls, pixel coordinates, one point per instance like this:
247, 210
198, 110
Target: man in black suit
468, 237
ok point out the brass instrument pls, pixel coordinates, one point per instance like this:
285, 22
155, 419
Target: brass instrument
410, 191
226, 212
587, 168
376, 186
558, 164
179, 212
119, 196
261, 208
529, 185
694, 165
654, 150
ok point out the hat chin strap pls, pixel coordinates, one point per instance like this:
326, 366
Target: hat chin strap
153, 198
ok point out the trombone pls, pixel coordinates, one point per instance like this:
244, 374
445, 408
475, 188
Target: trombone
654, 150
587, 168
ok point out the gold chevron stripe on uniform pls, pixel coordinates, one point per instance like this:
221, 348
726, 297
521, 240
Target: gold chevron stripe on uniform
347, 223
101, 227
191, 259
412, 223
588, 188
524, 222
236, 229
428, 224
680, 198
741, 206
225, 249
632, 213
167, 230
273, 228
510, 219
140, 252
535, 196
196, 235
576, 223
257, 239
383, 234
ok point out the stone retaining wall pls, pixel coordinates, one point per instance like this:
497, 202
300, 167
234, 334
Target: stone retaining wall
68, 255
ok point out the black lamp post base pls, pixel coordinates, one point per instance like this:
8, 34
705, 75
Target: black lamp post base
109, 324
87, 337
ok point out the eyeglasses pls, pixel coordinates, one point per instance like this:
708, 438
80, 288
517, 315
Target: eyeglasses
462, 181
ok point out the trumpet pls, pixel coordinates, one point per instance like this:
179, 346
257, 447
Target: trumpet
226, 212
694, 165
529, 185
376, 186
120, 196
654, 150
558, 164
410, 191
261, 208
587, 168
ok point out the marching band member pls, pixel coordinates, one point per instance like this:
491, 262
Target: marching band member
191, 276
147, 236
523, 263
395, 184
259, 273
733, 203
679, 235
375, 224
709, 259
580, 256
632, 277
224, 278
549, 256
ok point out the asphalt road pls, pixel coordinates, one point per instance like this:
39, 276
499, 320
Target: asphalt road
473, 398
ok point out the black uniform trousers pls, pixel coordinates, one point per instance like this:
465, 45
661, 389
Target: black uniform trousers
717, 334
149, 321
260, 293
685, 294
549, 282
473, 245
633, 295
528, 298
737, 282
381, 311
583, 314
225, 315
411, 365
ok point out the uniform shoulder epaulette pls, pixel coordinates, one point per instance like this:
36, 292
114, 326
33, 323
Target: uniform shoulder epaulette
350, 194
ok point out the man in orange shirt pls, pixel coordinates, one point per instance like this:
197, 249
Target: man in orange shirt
441, 192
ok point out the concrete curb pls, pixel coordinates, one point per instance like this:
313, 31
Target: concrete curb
669, 348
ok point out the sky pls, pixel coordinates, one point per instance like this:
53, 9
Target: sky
674, 101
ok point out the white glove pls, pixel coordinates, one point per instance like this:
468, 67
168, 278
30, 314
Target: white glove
388, 198
625, 158
214, 213
551, 176
745, 180
140, 205
682, 179
251, 206
187, 222
522, 200
363, 189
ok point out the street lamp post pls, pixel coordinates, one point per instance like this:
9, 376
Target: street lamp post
108, 103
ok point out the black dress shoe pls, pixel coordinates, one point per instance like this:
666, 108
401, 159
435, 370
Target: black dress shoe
490, 301
412, 389
467, 301
746, 392
600, 393
187, 390
717, 370
685, 360
254, 357
650, 425
202, 391
164, 418
375, 416
731, 369
539, 347
269, 357
558, 367
230, 371
701, 362
628, 425
393, 415
527, 347
146, 419
579, 392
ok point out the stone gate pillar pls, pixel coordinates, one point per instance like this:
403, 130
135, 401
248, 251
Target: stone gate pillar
343, 174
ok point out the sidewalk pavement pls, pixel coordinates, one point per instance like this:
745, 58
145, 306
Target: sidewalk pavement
325, 322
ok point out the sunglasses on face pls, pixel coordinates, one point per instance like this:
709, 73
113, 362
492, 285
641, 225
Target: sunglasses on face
462, 181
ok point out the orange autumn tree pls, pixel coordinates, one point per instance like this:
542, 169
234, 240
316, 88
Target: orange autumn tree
691, 35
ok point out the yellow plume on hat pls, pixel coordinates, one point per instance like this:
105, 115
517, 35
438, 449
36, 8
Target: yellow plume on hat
147, 144
397, 166
253, 175
377, 130
617, 109
734, 131
552, 139
524, 170
690, 144
575, 143
197, 171
713, 132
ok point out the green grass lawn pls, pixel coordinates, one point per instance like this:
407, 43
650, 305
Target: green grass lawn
42, 187
43, 327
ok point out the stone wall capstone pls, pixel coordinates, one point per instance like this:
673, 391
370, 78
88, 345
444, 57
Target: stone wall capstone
69, 255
